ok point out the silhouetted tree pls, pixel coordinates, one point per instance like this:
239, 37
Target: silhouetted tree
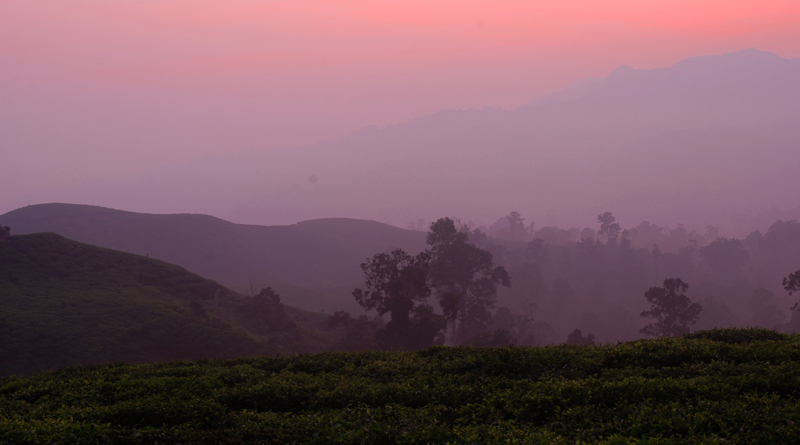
427, 327
608, 227
792, 285
5, 232
397, 283
673, 310
576, 338
516, 228
464, 278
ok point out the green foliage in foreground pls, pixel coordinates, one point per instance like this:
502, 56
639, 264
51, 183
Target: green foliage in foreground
733, 386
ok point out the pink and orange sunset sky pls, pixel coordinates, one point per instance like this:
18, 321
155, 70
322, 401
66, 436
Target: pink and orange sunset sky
101, 88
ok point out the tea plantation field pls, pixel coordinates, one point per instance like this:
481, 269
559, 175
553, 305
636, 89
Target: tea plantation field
722, 386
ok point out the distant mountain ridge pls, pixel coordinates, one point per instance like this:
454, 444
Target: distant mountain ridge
749, 69
702, 142
321, 254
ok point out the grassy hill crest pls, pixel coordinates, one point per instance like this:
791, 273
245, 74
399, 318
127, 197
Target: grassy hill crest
321, 256
66, 303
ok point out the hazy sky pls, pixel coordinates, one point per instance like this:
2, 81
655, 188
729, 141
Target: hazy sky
101, 88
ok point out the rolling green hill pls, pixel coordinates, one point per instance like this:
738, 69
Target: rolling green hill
316, 258
712, 387
66, 303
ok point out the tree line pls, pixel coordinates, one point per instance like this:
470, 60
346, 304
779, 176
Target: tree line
464, 281
591, 283
593, 279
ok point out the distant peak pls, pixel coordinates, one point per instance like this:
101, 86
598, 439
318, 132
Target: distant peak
624, 69
745, 57
749, 56
745, 63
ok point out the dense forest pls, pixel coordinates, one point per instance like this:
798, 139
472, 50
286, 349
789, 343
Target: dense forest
595, 279
592, 279
508, 283
581, 286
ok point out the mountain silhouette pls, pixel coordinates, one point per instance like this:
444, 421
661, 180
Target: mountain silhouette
313, 265
705, 141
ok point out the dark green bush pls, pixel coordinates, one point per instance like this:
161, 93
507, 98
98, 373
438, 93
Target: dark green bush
737, 335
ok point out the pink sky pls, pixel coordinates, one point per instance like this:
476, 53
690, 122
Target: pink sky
94, 88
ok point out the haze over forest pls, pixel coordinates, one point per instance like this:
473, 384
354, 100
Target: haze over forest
267, 147
592, 279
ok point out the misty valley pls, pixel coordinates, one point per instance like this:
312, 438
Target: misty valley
467, 334
507, 284
617, 262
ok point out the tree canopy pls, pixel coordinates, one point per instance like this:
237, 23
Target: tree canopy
397, 283
792, 285
608, 227
673, 310
464, 278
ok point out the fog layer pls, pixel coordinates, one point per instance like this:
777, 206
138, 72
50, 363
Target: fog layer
710, 140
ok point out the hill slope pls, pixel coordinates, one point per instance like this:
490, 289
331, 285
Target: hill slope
320, 254
711, 388
66, 303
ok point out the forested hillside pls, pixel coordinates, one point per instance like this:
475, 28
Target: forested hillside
562, 279
594, 279
65, 303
